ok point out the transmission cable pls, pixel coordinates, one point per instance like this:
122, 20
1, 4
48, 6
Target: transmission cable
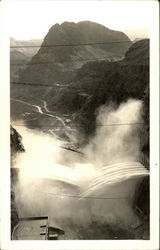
79, 126
68, 45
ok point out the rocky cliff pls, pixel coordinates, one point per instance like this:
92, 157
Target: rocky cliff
15, 141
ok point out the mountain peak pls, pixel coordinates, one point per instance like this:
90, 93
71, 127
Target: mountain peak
83, 32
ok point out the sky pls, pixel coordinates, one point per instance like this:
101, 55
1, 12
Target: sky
32, 19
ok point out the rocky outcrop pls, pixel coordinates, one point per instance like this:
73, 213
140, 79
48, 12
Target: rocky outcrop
15, 141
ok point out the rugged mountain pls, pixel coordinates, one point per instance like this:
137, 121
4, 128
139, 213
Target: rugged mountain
60, 63
68, 46
56, 83
21, 46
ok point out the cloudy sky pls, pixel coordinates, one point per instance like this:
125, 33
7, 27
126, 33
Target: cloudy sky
32, 19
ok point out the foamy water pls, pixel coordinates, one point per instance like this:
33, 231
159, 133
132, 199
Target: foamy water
65, 185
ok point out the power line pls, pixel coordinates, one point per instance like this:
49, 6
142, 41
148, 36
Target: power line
40, 84
98, 125
50, 62
109, 60
55, 85
69, 45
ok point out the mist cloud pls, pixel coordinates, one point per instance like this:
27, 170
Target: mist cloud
53, 180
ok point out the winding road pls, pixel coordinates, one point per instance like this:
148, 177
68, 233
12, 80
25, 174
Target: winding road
45, 111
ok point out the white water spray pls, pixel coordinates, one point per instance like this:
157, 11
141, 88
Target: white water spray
108, 175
